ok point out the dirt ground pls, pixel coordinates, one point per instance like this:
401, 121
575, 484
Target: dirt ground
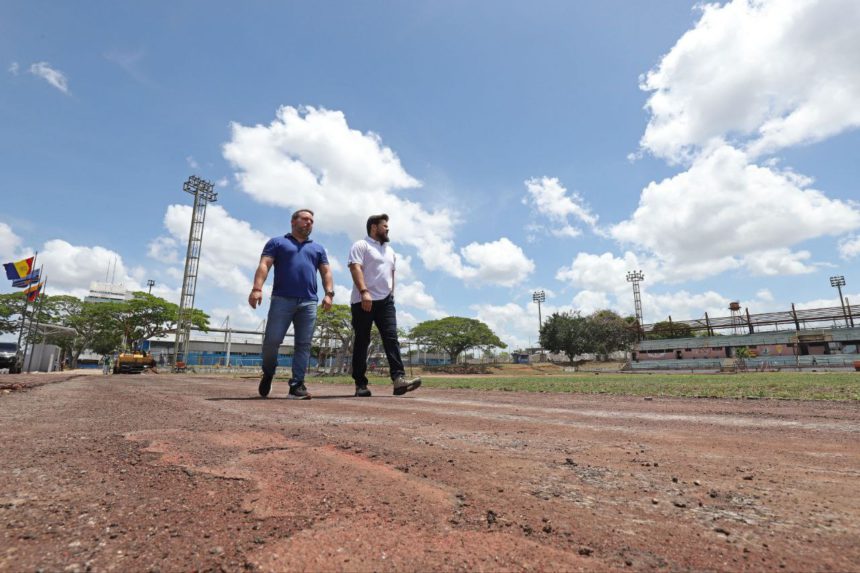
174, 473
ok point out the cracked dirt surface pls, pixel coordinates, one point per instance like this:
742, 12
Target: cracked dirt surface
167, 473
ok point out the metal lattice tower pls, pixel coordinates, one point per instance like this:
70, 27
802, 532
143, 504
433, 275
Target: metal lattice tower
203, 194
636, 277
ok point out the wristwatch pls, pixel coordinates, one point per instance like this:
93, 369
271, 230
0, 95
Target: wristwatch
329, 293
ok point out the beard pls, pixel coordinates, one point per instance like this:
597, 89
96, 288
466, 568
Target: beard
383, 238
299, 232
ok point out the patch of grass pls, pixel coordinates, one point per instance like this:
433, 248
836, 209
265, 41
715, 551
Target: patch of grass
840, 386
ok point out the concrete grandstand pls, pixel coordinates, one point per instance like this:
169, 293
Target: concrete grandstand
799, 338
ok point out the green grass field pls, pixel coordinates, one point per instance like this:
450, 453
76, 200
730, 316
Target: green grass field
842, 386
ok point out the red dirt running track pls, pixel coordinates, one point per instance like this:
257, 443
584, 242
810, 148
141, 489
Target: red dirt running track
176, 473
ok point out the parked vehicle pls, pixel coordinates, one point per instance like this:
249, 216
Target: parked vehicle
133, 363
9, 356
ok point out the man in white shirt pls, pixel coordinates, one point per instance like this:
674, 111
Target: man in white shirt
372, 263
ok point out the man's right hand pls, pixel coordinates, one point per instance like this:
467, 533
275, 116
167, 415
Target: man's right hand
366, 301
255, 298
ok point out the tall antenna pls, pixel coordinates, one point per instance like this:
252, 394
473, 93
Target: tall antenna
636, 277
203, 193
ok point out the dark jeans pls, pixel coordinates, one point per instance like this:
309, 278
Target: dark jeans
384, 315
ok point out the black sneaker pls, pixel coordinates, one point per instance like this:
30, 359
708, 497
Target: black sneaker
402, 385
298, 392
362, 392
265, 385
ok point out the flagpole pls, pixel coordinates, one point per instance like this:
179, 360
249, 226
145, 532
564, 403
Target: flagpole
24, 315
40, 295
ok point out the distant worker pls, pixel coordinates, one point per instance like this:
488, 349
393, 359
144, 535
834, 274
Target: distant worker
372, 263
296, 259
106, 364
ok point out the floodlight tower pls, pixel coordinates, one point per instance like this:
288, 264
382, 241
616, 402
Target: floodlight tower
839, 282
150, 283
636, 277
203, 194
539, 296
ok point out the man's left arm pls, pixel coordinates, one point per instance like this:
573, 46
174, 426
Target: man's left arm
328, 285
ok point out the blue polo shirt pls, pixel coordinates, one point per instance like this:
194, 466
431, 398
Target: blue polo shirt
295, 265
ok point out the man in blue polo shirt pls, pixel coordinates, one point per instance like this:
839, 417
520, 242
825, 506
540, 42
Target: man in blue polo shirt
296, 259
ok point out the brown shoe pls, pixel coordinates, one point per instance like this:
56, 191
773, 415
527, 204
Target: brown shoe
402, 385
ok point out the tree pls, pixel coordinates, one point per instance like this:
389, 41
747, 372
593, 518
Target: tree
335, 324
610, 332
567, 332
668, 329
11, 305
455, 334
102, 326
95, 325
147, 316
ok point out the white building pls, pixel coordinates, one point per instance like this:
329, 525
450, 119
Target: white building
108, 292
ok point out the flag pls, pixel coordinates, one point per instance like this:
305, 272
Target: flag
19, 270
33, 292
28, 280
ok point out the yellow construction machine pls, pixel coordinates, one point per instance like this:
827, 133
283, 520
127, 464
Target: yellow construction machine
133, 363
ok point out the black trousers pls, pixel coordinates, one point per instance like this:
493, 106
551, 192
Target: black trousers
384, 315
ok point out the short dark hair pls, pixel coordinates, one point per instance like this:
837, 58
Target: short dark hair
375, 220
296, 214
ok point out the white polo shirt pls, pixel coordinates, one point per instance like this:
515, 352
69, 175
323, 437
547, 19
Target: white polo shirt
377, 262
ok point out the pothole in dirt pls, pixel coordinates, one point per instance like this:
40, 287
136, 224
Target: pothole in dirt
732, 506
572, 486
490, 441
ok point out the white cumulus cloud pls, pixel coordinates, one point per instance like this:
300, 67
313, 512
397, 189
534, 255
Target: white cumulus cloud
231, 247
726, 212
549, 198
779, 262
10, 243
849, 247
309, 157
500, 262
516, 325
414, 294
71, 268
766, 73
602, 272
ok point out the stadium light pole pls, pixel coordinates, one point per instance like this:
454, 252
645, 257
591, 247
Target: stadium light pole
636, 277
539, 296
150, 283
839, 282
204, 193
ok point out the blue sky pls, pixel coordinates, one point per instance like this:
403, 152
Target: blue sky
517, 146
